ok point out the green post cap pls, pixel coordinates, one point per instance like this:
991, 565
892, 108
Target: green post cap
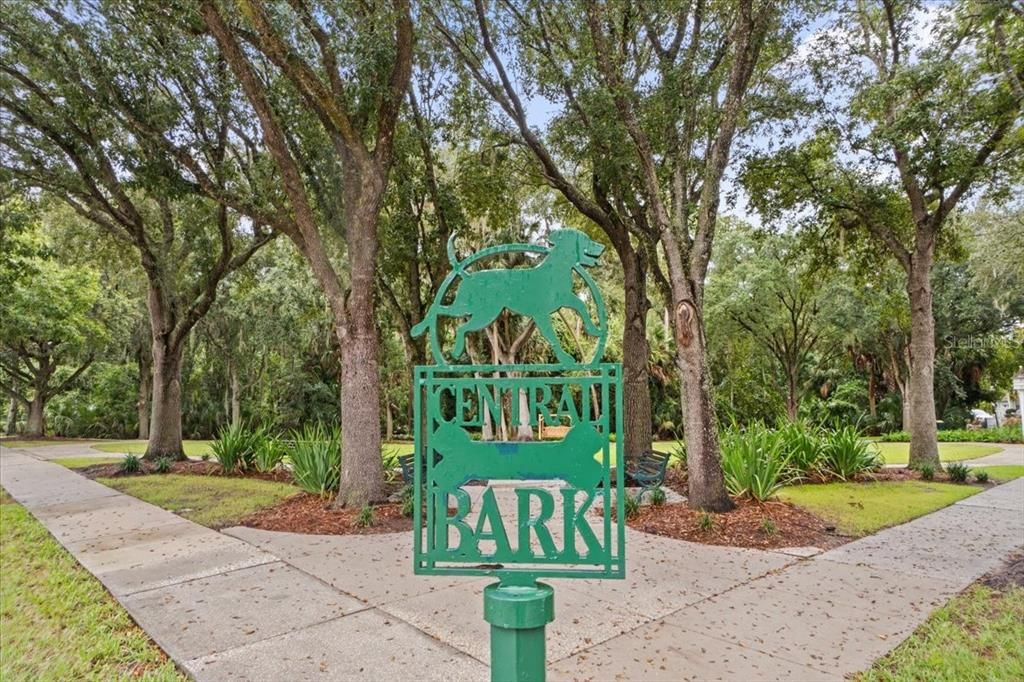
519, 607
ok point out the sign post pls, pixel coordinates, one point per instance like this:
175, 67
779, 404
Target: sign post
518, 510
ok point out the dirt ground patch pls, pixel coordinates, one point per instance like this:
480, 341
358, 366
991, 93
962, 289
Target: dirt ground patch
762, 525
1010, 574
312, 514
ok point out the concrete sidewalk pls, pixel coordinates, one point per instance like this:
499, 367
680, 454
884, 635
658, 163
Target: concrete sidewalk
1011, 454
253, 605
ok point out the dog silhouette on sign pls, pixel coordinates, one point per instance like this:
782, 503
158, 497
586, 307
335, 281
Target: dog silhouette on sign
535, 292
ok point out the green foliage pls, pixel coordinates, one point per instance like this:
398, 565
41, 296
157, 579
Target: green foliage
677, 455
981, 476
236, 447
270, 451
1001, 434
754, 462
163, 465
316, 459
392, 469
845, 454
957, 472
131, 464
408, 501
927, 472
658, 496
706, 522
803, 445
768, 526
365, 518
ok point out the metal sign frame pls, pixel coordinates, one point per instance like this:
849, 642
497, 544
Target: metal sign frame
431, 552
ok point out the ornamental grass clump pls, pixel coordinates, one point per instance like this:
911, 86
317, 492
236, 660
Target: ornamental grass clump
845, 454
269, 454
236, 447
957, 472
981, 476
131, 464
802, 444
316, 459
755, 462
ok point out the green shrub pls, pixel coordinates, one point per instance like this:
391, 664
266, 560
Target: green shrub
205, 457
316, 459
927, 471
845, 454
768, 526
163, 465
658, 496
981, 476
131, 464
236, 447
365, 518
706, 523
632, 505
957, 472
269, 454
754, 462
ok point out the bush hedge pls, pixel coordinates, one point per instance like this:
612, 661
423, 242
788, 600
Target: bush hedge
1001, 434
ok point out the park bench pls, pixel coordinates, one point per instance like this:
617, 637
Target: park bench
408, 465
646, 470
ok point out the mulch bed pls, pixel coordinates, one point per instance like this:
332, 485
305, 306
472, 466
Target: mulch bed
742, 527
312, 514
1010, 574
188, 468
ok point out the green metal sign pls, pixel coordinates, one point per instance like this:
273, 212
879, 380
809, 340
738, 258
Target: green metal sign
518, 510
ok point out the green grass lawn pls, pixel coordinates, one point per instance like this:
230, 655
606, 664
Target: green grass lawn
59, 622
976, 636
898, 453
863, 508
82, 462
193, 448
214, 501
1003, 472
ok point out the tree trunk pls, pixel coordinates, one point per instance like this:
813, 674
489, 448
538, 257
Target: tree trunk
35, 425
145, 390
636, 391
700, 426
792, 400
523, 429
389, 433
236, 395
12, 416
924, 446
362, 471
165, 420
872, 390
